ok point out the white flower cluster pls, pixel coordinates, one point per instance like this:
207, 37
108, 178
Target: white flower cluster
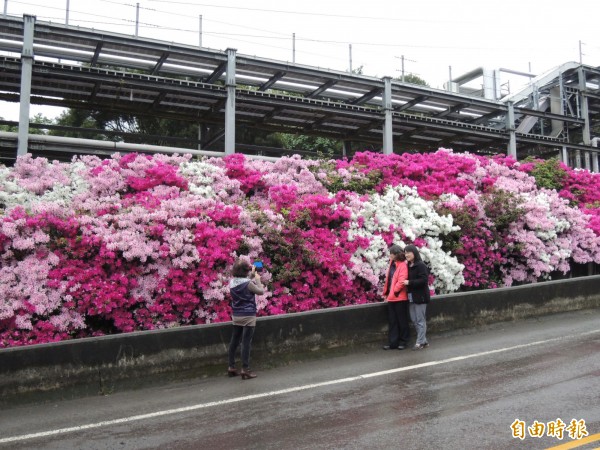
370, 263
401, 207
540, 216
200, 177
60, 195
11, 193
445, 267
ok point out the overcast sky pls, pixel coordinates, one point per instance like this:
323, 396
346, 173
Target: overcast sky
432, 35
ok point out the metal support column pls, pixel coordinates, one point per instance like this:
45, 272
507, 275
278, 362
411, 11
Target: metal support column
200, 135
595, 155
585, 115
565, 156
26, 71
557, 106
510, 127
230, 104
388, 145
584, 111
578, 159
587, 161
346, 148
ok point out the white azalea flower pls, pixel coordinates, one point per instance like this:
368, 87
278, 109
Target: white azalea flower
402, 208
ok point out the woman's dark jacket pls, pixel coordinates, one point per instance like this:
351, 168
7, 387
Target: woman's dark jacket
243, 300
243, 296
418, 282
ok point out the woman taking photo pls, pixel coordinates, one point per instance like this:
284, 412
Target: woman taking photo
244, 287
418, 293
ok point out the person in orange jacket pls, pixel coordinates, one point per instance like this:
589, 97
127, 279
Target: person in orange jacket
395, 293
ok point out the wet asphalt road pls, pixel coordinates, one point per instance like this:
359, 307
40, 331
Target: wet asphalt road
463, 392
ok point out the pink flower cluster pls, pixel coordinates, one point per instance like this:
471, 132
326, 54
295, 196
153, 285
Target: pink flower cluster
582, 189
142, 242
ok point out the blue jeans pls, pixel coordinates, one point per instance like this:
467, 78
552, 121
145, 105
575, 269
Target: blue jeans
243, 334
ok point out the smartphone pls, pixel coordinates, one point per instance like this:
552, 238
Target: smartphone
258, 265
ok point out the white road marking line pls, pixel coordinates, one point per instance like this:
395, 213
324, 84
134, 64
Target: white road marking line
305, 387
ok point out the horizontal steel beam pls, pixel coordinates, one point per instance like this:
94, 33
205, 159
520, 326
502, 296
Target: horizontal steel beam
547, 115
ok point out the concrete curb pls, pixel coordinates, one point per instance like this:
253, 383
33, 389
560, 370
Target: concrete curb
103, 365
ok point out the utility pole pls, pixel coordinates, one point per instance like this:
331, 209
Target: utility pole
294, 47
350, 55
402, 59
66, 20
200, 28
580, 54
402, 70
137, 18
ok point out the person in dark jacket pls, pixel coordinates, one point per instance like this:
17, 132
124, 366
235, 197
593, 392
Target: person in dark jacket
244, 287
395, 293
418, 294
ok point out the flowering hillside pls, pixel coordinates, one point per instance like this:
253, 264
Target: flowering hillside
141, 242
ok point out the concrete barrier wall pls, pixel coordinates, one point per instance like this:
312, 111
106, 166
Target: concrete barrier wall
105, 364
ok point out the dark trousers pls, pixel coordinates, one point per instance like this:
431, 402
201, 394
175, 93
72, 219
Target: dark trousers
398, 316
243, 334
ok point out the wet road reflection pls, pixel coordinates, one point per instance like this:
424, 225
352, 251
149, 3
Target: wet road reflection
450, 404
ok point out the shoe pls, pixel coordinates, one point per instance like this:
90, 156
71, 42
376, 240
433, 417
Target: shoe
401, 347
247, 374
426, 344
389, 347
232, 372
420, 346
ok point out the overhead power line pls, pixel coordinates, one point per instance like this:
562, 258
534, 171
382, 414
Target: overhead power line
279, 11
282, 36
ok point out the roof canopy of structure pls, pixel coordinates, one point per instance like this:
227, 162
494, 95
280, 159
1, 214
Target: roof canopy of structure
84, 68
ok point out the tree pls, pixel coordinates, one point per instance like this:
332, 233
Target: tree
8, 128
111, 125
79, 118
413, 79
38, 119
303, 142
